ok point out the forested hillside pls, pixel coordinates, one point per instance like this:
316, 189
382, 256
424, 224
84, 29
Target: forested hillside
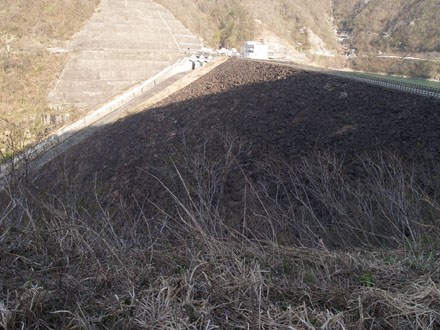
228, 23
398, 25
370, 27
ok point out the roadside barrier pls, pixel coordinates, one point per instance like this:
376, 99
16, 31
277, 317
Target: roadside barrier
383, 82
399, 85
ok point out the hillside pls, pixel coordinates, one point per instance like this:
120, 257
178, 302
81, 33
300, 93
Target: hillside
403, 28
377, 27
230, 23
348, 118
27, 69
256, 197
122, 44
406, 26
29, 28
260, 196
59, 61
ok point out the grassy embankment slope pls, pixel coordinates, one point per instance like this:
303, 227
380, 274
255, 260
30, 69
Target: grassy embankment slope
27, 69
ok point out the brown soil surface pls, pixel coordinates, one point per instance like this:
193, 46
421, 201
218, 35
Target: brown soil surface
281, 112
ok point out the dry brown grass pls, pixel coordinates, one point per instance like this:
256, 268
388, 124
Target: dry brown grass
26, 80
177, 262
30, 22
27, 69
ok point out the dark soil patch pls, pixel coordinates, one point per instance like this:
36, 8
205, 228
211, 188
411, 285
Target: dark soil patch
281, 112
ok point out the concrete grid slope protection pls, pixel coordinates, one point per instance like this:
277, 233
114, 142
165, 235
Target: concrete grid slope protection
124, 42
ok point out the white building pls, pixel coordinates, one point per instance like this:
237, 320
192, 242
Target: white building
256, 50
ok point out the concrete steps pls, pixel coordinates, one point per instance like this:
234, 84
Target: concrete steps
125, 42
118, 74
111, 64
95, 85
129, 55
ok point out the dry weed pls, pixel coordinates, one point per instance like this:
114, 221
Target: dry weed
177, 263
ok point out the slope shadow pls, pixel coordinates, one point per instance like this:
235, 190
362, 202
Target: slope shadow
285, 114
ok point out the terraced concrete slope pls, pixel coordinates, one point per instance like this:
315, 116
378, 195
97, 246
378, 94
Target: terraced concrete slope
125, 41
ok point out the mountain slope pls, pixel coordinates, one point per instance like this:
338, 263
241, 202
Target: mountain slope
398, 25
230, 23
378, 25
27, 69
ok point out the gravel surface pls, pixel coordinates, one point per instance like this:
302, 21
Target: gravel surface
280, 112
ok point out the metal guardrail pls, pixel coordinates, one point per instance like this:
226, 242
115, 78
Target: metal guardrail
383, 82
399, 85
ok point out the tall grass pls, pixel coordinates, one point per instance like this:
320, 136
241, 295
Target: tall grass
310, 247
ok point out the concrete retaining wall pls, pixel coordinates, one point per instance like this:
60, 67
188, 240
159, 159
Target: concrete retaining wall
124, 41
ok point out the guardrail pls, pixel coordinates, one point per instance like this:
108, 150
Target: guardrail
383, 82
400, 85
